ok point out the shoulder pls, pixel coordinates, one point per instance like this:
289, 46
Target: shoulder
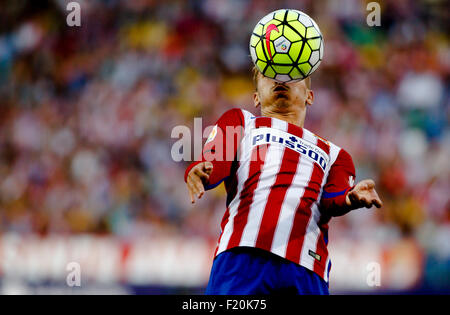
339, 155
342, 158
323, 142
236, 116
336, 153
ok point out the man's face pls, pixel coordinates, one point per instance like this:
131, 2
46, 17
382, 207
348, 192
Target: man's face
282, 95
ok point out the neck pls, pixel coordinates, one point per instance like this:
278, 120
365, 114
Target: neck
293, 116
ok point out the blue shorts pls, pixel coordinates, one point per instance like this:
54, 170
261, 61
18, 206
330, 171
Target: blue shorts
247, 271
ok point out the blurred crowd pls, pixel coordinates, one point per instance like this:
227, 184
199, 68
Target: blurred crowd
86, 113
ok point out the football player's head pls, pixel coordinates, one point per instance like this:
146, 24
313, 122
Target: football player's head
282, 96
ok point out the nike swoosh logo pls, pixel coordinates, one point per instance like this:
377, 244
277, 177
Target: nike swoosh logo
270, 28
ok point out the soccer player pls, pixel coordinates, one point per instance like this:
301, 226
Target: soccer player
283, 185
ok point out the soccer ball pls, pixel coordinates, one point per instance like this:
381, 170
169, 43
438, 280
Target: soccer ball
286, 45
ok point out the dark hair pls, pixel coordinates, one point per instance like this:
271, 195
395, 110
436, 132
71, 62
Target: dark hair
256, 72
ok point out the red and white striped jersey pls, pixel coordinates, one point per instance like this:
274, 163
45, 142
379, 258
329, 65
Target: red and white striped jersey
283, 185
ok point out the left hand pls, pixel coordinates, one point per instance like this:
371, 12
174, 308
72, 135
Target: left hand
363, 195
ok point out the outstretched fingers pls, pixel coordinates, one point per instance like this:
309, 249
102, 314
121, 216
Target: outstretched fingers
365, 198
376, 200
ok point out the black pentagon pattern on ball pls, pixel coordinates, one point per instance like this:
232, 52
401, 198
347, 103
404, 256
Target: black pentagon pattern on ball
285, 23
312, 64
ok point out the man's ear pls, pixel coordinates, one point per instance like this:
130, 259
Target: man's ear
310, 97
256, 99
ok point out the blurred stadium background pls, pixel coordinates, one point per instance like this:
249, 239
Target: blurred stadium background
86, 115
